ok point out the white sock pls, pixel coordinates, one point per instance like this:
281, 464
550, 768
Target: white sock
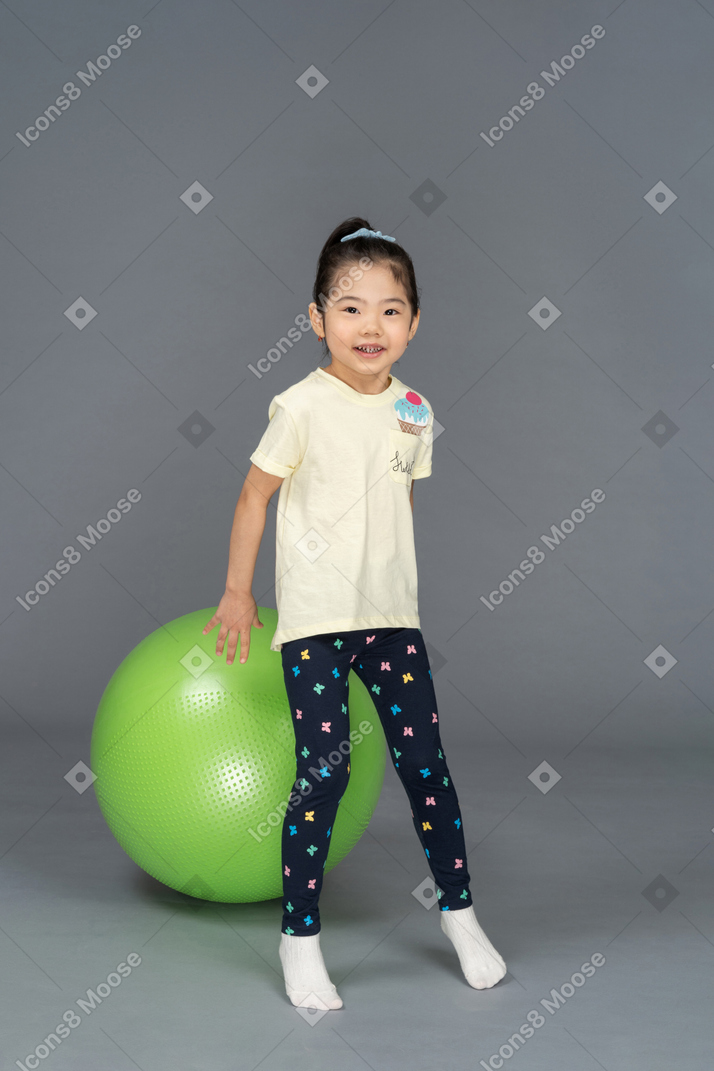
482, 965
306, 976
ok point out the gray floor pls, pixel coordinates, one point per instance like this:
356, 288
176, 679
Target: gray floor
614, 858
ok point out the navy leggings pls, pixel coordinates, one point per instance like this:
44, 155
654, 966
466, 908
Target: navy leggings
394, 666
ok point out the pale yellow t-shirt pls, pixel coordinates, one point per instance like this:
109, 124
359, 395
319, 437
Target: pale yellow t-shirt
344, 554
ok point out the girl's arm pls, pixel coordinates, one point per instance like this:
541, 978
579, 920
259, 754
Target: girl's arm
248, 526
237, 611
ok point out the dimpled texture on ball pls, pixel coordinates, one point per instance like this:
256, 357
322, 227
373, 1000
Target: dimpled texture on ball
191, 754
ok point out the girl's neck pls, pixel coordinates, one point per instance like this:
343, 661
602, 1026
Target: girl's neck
358, 382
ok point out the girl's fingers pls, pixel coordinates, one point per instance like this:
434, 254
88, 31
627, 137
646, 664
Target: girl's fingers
244, 645
223, 632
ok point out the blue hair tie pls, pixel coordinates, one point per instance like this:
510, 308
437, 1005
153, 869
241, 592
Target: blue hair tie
365, 232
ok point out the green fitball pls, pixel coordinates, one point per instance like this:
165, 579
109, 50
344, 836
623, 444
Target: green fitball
195, 762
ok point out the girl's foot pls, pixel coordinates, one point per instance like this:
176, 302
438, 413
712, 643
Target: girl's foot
481, 963
305, 972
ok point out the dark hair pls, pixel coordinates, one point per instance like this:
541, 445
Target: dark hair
336, 256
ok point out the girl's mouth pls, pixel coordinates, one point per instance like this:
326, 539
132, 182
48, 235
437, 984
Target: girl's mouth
368, 351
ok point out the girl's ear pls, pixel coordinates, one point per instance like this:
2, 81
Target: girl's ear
316, 319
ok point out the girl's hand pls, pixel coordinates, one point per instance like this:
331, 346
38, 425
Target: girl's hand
237, 614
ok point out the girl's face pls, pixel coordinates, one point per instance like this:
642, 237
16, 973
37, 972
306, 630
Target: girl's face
374, 315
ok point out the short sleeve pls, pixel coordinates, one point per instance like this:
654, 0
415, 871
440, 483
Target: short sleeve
278, 452
422, 465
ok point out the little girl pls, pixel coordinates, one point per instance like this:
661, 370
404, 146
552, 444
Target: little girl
344, 446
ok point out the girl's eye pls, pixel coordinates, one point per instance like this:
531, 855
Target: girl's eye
351, 308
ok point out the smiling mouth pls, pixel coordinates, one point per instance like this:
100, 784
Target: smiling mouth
369, 351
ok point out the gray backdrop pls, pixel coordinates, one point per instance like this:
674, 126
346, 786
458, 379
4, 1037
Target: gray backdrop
160, 235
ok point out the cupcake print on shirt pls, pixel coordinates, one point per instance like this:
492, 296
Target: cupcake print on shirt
412, 414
